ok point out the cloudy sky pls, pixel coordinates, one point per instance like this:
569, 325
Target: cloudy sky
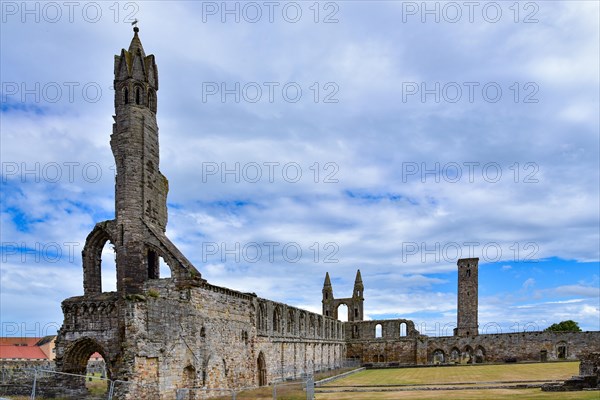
305, 137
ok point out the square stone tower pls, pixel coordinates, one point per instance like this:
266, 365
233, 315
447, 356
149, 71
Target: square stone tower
466, 324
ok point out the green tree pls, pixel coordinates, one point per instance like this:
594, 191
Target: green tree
564, 326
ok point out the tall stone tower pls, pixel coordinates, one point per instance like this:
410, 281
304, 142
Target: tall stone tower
140, 188
466, 324
354, 303
138, 231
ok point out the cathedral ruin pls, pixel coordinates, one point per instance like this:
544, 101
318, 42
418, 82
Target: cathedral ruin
158, 335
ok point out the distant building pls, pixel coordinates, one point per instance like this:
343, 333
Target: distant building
27, 348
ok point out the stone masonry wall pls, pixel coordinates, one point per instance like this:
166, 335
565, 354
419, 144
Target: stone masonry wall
212, 337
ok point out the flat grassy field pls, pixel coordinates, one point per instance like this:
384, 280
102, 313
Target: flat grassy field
471, 373
494, 394
372, 384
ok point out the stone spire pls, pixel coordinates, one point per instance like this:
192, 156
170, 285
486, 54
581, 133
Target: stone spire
358, 279
136, 44
327, 280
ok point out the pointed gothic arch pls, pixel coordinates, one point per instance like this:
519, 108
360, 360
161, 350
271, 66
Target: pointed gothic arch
92, 256
77, 355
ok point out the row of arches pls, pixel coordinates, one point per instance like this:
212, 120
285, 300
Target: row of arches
137, 95
401, 333
466, 355
294, 322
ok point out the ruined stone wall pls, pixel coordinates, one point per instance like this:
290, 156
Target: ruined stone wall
395, 341
208, 336
394, 349
525, 346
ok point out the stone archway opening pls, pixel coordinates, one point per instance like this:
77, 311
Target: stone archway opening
99, 264
342, 312
86, 360
479, 355
438, 357
467, 355
261, 368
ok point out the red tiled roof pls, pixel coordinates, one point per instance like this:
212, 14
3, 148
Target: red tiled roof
96, 356
13, 341
21, 352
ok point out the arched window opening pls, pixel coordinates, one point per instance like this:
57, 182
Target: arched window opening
355, 334
137, 96
125, 95
108, 268
342, 312
403, 329
378, 331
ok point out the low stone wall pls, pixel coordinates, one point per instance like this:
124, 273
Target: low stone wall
340, 376
588, 378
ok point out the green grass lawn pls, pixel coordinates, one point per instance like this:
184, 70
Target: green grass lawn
474, 373
461, 374
520, 394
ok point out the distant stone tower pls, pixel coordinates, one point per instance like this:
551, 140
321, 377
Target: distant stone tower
467, 324
354, 303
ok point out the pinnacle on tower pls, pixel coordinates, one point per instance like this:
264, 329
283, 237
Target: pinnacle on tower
136, 44
358, 279
327, 280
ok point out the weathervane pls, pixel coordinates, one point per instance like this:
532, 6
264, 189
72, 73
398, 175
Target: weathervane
134, 23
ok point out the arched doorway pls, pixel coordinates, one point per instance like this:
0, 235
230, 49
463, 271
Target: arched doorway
261, 367
467, 355
479, 355
86, 357
438, 357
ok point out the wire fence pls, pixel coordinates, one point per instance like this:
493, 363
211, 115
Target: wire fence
43, 383
39, 383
